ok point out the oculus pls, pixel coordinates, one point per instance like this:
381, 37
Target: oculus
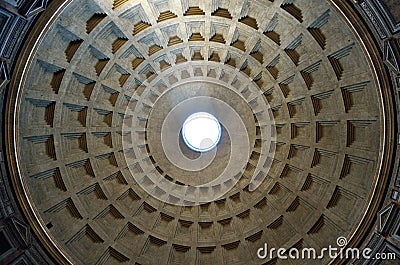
201, 131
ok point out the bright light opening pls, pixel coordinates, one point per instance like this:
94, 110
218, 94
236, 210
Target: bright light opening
201, 131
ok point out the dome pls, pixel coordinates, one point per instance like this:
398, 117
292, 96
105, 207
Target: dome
195, 132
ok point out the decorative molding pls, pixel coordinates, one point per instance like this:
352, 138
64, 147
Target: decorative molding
392, 55
14, 25
4, 75
378, 244
394, 25
374, 18
32, 8
387, 219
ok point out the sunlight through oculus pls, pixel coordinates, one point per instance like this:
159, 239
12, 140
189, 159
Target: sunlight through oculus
201, 131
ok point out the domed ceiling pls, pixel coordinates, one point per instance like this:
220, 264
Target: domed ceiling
98, 139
